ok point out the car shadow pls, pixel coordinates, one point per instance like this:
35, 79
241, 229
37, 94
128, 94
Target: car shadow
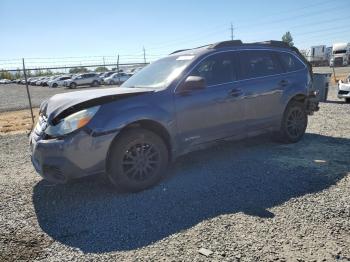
250, 176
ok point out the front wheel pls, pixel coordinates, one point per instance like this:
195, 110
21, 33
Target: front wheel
73, 85
294, 122
137, 160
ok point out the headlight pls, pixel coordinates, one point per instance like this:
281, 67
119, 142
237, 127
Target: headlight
72, 122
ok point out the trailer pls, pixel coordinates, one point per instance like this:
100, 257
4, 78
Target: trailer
317, 55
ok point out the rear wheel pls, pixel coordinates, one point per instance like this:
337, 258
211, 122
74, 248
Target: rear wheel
137, 160
95, 83
294, 122
54, 85
112, 82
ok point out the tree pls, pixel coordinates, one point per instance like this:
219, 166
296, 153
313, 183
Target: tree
6, 75
77, 70
101, 69
18, 74
287, 38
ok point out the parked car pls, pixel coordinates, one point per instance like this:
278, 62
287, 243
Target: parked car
35, 80
188, 100
41, 81
107, 74
83, 79
58, 81
5, 81
344, 89
116, 78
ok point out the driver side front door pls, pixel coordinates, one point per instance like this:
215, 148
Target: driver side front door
213, 112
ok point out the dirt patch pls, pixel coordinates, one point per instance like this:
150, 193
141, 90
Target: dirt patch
16, 121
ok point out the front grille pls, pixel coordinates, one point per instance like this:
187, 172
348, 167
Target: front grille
343, 92
40, 126
338, 61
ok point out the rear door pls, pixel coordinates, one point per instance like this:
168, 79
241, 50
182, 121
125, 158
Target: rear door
262, 80
216, 111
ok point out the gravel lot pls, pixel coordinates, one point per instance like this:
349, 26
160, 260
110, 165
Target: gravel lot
254, 200
14, 96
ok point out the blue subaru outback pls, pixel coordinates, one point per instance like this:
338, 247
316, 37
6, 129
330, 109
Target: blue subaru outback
185, 101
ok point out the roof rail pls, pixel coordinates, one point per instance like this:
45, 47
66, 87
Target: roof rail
178, 51
274, 43
226, 44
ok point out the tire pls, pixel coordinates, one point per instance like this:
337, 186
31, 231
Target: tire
95, 83
294, 123
73, 85
137, 160
54, 85
347, 100
112, 83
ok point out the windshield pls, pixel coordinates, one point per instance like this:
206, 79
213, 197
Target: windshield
160, 73
339, 52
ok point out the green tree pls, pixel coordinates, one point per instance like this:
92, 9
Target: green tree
287, 38
6, 75
77, 70
101, 69
18, 74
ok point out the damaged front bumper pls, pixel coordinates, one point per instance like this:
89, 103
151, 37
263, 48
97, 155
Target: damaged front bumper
76, 155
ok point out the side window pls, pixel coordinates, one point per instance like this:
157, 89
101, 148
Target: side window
290, 62
258, 64
216, 69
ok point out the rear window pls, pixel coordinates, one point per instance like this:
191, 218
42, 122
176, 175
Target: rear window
290, 62
259, 63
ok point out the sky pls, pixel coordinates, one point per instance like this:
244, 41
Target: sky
56, 32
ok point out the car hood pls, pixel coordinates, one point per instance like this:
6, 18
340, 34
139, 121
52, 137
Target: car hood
61, 105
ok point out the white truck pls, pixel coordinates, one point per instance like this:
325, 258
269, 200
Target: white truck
340, 54
317, 55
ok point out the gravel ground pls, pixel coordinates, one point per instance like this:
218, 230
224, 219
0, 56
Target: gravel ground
14, 96
253, 200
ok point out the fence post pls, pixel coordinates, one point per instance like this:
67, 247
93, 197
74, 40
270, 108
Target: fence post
28, 94
118, 70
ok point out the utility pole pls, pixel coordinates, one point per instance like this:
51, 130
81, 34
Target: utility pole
231, 28
104, 63
144, 54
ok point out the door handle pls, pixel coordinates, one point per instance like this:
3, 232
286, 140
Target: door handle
283, 83
236, 92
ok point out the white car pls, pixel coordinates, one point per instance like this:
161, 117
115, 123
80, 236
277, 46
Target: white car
116, 78
5, 81
344, 89
91, 79
58, 81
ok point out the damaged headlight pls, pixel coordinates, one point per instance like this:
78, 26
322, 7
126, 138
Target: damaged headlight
72, 122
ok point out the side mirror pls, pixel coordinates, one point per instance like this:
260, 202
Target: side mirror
193, 83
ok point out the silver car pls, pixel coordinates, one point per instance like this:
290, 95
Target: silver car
91, 79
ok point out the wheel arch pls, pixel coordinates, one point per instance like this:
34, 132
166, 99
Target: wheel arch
147, 124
